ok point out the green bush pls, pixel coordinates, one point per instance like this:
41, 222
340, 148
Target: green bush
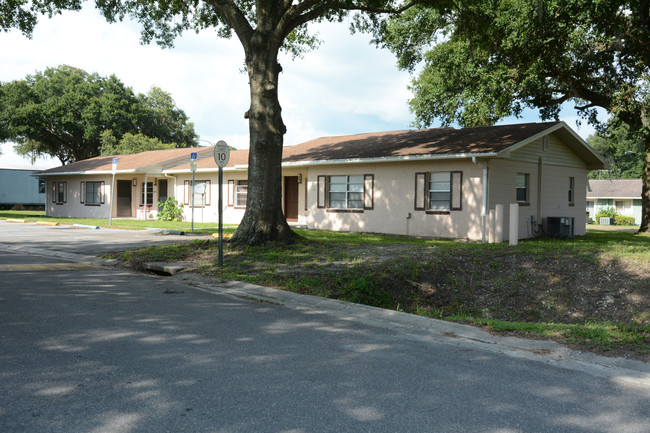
608, 212
621, 220
171, 210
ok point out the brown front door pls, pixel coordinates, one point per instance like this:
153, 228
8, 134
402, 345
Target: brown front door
124, 198
291, 198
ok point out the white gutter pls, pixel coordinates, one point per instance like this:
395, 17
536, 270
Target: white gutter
427, 157
62, 173
485, 193
175, 184
383, 159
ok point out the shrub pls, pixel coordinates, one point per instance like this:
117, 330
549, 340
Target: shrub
608, 212
171, 210
621, 220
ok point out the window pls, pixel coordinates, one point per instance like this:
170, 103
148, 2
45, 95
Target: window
92, 193
148, 193
42, 186
572, 182
346, 193
438, 192
59, 192
241, 193
522, 187
201, 193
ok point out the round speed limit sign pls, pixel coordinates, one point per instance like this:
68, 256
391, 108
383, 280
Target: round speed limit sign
221, 153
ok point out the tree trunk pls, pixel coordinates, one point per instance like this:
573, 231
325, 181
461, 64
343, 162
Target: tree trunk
645, 190
263, 219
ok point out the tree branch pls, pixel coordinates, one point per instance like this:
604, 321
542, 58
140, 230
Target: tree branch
235, 18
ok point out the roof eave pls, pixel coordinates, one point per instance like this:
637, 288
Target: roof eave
78, 173
385, 159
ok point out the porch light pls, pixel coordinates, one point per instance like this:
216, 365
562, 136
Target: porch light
299, 178
135, 182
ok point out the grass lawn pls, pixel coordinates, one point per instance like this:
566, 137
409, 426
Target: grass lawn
127, 224
591, 292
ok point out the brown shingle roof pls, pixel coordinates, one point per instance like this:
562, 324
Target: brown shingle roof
439, 141
128, 162
444, 142
237, 157
614, 188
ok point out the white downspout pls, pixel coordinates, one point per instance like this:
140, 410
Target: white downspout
171, 176
485, 194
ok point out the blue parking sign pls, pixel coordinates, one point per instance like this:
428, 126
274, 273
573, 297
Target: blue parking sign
193, 155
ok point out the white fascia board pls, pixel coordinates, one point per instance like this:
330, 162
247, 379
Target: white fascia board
612, 197
384, 159
204, 170
83, 173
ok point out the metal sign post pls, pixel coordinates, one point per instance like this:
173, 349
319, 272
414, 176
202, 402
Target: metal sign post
193, 168
221, 157
110, 215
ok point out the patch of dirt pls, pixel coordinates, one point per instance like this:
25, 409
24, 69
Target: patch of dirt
550, 285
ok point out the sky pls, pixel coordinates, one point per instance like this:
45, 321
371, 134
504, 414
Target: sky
346, 86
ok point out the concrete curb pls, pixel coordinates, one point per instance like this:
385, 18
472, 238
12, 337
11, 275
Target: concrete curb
86, 226
46, 223
423, 328
415, 328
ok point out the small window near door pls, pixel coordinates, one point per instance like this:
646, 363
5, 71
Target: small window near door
92, 193
59, 192
241, 193
149, 194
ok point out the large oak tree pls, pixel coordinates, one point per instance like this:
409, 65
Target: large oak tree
63, 112
481, 61
263, 27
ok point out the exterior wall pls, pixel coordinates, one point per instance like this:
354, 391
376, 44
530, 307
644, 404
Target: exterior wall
393, 208
549, 172
73, 206
631, 207
19, 187
232, 214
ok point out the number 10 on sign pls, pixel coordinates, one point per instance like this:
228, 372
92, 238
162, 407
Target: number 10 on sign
221, 157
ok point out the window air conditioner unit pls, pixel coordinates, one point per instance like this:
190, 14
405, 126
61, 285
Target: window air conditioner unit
559, 227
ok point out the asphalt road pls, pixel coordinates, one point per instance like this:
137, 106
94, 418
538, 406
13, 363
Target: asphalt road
91, 348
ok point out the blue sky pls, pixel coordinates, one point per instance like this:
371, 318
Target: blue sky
346, 86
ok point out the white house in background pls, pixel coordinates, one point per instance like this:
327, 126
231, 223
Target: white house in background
436, 182
624, 195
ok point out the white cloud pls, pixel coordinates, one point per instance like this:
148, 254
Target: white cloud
346, 86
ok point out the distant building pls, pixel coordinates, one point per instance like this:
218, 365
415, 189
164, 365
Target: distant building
19, 189
624, 195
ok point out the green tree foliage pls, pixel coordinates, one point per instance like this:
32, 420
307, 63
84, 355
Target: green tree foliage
481, 61
63, 111
623, 150
264, 28
130, 143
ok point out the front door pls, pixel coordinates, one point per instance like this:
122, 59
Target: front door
124, 198
291, 198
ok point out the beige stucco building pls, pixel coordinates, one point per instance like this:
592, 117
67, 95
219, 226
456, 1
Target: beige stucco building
443, 182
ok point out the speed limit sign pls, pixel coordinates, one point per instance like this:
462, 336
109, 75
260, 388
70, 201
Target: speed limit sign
221, 153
